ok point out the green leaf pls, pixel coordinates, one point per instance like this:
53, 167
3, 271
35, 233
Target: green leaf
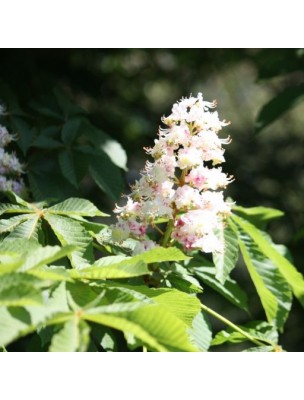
9, 262
45, 255
185, 283
259, 330
26, 134
67, 339
230, 290
106, 175
126, 267
28, 229
201, 332
70, 232
19, 246
70, 130
68, 107
7, 225
45, 142
56, 187
6, 208
225, 262
264, 349
116, 153
258, 216
280, 104
273, 290
16, 199
152, 324
287, 270
112, 148
76, 207
51, 273
19, 290
15, 322
161, 254
67, 167
180, 304
116, 271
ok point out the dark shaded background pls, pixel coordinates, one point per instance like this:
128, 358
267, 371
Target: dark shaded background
126, 91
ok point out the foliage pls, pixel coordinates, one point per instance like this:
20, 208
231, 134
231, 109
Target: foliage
59, 142
53, 285
66, 286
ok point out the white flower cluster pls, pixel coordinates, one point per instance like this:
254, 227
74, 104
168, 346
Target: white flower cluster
182, 184
10, 167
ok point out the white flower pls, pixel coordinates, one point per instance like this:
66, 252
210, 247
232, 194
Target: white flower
177, 185
143, 246
189, 157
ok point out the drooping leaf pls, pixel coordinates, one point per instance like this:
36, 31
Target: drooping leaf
273, 289
287, 270
225, 261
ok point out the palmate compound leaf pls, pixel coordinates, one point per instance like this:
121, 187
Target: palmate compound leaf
70, 232
20, 321
294, 278
225, 261
274, 291
118, 306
